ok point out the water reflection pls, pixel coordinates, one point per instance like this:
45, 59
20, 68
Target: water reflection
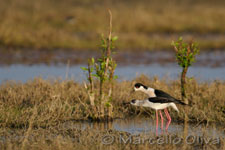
146, 126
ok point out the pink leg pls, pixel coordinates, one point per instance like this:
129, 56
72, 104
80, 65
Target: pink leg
156, 123
161, 121
168, 117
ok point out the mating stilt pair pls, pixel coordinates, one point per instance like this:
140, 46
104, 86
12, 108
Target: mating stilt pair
157, 100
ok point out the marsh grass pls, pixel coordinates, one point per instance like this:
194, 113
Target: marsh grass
33, 114
59, 101
139, 24
58, 138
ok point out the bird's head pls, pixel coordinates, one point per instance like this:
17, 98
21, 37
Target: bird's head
140, 87
133, 101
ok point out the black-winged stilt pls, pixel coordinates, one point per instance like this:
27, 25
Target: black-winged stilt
157, 100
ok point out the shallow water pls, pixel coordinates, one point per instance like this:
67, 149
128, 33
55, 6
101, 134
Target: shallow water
26, 65
120, 131
124, 72
147, 126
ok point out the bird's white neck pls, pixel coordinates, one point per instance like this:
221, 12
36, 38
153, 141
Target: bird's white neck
150, 92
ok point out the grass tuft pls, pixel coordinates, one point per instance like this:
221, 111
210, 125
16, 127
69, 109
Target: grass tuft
59, 101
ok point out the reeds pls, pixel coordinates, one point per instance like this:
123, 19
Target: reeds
59, 101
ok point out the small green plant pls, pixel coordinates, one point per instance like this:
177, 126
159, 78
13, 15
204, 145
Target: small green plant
103, 69
185, 56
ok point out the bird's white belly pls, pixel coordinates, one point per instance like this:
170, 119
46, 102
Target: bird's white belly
157, 106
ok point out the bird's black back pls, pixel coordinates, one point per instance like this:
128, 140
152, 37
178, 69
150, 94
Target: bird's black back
160, 100
163, 96
160, 93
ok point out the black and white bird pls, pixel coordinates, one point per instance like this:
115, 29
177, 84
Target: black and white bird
157, 100
155, 93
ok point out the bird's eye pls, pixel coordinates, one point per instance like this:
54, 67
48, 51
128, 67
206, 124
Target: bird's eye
137, 86
133, 101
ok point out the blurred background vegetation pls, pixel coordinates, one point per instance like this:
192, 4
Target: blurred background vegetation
142, 24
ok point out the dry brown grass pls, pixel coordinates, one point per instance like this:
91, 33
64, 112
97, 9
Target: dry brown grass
33, 114
59, 101
61, 138
139, 24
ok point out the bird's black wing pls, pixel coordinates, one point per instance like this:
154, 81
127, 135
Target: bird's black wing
165, 100
160, 100
160, 93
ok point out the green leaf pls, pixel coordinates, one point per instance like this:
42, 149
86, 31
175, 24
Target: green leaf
95, 75
115, 38
99, 60
115, 77
107, 104
83, 68
92, 60
172, 43
180, 38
